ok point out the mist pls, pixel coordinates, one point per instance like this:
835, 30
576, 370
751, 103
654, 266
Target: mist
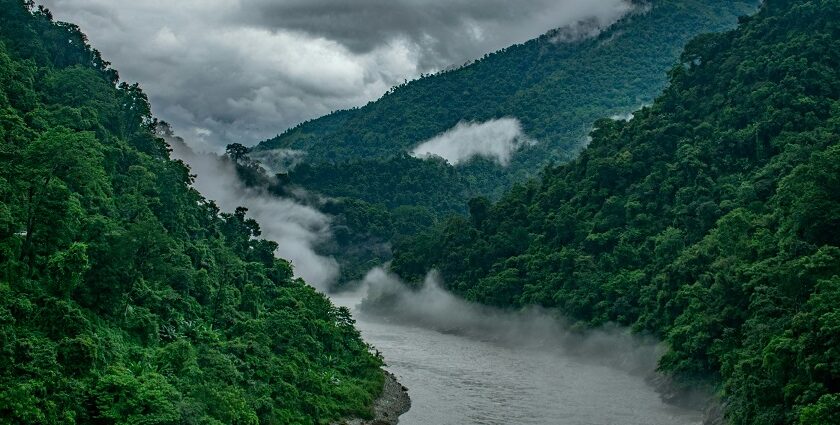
497, 140
384, 296
296, 228
278, 160
623, 117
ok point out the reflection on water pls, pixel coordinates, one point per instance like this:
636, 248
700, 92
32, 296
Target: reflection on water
454, 379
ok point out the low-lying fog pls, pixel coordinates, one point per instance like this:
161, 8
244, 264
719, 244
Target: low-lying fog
469, 364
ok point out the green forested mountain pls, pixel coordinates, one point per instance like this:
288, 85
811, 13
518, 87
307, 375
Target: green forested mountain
712, 220
556, 88
125, 297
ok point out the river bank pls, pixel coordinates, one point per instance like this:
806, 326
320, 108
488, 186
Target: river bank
699, 398
391, 404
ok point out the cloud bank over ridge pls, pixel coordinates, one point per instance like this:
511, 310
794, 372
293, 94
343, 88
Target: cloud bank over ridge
223, 71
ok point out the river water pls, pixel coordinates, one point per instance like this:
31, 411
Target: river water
455, 379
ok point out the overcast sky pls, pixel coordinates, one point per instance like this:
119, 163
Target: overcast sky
223, 71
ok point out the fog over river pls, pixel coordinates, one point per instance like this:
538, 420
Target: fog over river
472, 365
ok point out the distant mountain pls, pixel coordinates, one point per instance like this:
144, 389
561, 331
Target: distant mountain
556, 86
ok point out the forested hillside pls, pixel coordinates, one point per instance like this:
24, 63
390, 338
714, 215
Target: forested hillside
712, 220
125, 297
556, 87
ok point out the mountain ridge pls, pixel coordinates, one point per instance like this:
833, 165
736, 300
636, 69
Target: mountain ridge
535, 81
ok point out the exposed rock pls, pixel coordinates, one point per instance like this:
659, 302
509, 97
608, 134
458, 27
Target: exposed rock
690, 397
387, 409
715, 414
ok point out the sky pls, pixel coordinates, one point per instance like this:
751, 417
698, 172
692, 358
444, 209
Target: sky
224, 71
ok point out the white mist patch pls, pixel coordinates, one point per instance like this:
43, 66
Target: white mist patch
278, 160
384, 295
623, 117
496, 139
296, 228
628, 116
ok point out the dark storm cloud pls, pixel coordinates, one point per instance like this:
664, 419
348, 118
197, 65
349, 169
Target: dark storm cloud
363, 25
447, 32
243, 70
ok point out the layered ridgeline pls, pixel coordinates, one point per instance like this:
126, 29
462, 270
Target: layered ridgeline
555, 86
125, 297
711, 219
497, 120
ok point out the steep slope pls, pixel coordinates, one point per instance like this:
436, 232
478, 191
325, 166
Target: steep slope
712, 219
555, 88
125, 297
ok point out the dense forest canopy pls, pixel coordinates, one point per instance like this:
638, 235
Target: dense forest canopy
125, 297
711, 219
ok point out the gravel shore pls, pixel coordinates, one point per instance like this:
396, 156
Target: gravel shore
387, 409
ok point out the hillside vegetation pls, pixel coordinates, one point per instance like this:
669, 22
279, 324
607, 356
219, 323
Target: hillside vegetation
125, 297
712, 220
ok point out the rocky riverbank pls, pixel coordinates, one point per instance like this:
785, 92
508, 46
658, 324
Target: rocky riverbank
387, 409
690, 397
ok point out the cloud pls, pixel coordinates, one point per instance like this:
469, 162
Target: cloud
496, 139
628, 116
624, 117
445, 32
245, 70
296, 228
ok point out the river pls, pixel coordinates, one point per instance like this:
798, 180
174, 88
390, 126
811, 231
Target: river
455, 379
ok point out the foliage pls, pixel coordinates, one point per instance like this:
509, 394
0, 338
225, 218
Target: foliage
712, 220
125, 297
